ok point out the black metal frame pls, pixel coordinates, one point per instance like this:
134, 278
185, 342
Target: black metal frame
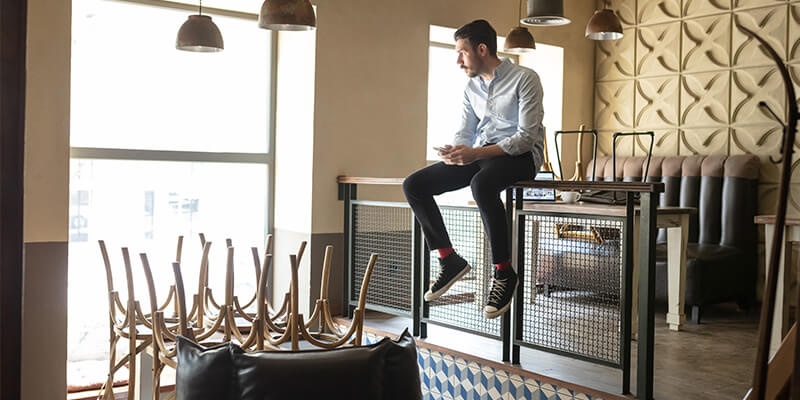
594, 150
511, 348
505, 320
646, 331
625, 292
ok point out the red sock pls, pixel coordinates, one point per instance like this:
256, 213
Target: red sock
445, 252
503, 265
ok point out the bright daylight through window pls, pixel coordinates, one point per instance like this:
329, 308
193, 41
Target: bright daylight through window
446, 84
164, 143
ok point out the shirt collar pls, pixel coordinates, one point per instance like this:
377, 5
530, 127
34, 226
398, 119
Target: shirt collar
505, 66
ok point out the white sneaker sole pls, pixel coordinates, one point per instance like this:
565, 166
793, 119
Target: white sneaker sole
494, 314
430, 296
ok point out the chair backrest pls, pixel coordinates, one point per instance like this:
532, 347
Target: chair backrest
723, 189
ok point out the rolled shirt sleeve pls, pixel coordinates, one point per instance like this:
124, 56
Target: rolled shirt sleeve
529, 128
469, 124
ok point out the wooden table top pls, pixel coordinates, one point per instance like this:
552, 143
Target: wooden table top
770, 219
598, 209
650, 187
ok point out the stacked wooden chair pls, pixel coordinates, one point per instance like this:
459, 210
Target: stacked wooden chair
253, 325
128, 322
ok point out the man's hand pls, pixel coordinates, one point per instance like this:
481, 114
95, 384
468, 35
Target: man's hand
460, 155
463, 155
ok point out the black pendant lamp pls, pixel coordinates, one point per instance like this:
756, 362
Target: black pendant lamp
519, 40
200, 34
604, 25
545, 13
287, 15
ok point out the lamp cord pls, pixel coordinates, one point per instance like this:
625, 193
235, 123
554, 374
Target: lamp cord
519, 13
201, 7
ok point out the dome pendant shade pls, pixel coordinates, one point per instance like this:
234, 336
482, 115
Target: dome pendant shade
199, 33
604, 25
519, 40
545, 13
287, 15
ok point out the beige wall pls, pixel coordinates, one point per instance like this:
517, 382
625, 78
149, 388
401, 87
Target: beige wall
371, 96
44, 319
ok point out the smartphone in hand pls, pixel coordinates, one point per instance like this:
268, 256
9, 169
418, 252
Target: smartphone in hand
442, 149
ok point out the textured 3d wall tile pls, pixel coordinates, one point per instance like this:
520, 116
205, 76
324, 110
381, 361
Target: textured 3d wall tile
706, 44
615, 58
704, 141
704, 99
658, 49
656, 11
770, 23
613, 105
699, 8
657, 102
751, 86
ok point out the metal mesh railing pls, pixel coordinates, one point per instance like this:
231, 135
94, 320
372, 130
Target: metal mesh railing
572, 287
462, 305
385, 230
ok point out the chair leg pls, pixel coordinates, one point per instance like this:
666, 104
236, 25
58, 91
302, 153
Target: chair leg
156, 373
696, 314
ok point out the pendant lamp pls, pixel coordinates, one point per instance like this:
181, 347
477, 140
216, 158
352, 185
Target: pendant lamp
287, 15
545, 13
519, 40
200, 34
604, 25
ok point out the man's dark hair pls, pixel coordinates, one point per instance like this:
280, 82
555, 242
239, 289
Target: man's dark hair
477, 32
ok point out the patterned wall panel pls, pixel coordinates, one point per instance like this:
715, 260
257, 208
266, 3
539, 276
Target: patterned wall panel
605, 141
755, 139
794, 32
755, 3
704, 99
704, 141
657, 11
751, 86
658, 49
699, 8
706, 43
665, 143
770, 23
615, 58
698, 80
613, 105
657, 102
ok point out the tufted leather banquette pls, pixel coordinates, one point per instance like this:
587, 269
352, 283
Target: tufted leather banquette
722, 251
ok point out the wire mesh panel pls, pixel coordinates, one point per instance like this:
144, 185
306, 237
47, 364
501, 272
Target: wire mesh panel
573, 292
462, 305
384, 229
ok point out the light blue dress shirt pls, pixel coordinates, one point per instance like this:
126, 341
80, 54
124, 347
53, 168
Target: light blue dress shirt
507, 112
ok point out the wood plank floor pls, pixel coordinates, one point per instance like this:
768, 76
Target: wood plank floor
713, 360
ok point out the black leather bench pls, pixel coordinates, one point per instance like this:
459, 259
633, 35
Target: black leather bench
722, 252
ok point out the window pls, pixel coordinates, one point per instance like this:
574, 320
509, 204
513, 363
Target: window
446, 92
164, 143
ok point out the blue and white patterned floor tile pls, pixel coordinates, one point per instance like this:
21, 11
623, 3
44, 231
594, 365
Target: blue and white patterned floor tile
447, 377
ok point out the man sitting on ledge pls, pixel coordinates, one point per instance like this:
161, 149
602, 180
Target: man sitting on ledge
503, 111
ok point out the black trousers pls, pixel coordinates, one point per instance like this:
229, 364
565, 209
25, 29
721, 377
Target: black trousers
487, 178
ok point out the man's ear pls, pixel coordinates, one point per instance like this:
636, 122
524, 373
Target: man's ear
483, 49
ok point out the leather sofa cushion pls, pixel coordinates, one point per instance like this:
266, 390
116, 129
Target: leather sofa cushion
386, 370
204, 373
701, 252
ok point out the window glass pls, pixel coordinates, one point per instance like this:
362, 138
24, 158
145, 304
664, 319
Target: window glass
131, 89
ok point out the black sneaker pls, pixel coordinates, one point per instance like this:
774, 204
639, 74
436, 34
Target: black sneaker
503, 286
453, 268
